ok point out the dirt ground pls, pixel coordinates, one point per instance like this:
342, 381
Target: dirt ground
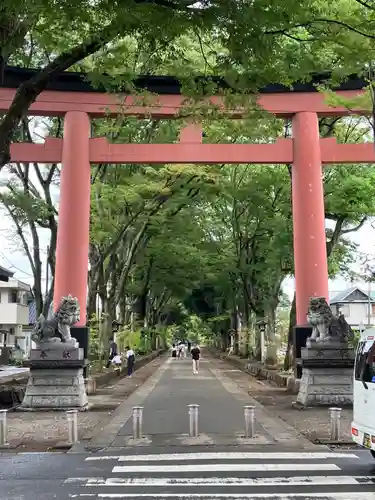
48, 431
312, 422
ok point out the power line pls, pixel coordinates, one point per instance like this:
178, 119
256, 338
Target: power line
15, 267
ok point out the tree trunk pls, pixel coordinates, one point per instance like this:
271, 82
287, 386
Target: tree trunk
271, 351
288, 360
91, 303
139, 310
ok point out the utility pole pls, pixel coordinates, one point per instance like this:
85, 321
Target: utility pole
369, 303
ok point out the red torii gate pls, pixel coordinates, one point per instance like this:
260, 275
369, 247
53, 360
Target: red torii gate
306, 151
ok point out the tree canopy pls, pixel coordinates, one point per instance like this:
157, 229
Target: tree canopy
172, 242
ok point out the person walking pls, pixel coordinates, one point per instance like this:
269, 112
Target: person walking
180, 350
130, 357
195, 355
117, 362
112, 352
174, 351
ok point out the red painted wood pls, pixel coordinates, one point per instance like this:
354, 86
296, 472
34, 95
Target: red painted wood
191, 133
332, 152
74, 213
309, 237
48, 152
96, 104
102, 152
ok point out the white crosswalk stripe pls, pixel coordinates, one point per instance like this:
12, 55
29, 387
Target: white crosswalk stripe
226, 476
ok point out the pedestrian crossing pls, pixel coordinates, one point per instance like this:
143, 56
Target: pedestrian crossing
229, 476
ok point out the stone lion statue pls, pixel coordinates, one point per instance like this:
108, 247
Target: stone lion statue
57, 325
326, 326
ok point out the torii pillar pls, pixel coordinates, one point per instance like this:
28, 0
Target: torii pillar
309, 237
74, 212
66, 362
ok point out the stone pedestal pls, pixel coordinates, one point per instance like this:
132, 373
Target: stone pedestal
56, 378
327, 377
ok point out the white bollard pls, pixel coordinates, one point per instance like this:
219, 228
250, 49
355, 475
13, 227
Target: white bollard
334, 423
3, 428
72, 418
137, 422
249, 413
193, 420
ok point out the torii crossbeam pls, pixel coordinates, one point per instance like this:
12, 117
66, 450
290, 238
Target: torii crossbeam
72, 97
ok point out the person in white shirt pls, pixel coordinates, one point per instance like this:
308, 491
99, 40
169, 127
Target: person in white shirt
130, 357
181, 350
117, 362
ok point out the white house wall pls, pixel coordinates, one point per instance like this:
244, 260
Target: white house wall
12, 313
355, 313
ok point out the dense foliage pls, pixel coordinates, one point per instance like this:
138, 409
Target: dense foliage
181, 248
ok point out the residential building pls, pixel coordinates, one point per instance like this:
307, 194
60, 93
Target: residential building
15, 297
355, 304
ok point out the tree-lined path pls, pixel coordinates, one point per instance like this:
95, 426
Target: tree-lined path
165, 397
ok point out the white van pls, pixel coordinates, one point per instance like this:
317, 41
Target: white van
363, 425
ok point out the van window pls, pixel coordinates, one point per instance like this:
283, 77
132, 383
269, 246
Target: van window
361, 366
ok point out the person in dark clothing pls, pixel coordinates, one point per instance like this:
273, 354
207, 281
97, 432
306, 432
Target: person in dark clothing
195, 355
130, 357
189, 346
174, 351
112, 352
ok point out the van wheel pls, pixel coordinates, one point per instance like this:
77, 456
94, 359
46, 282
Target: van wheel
372, 453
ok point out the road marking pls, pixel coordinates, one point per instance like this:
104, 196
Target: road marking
223, 467
224, 481
223, 456
234, 496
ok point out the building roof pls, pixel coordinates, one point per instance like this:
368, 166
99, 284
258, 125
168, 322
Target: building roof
80, 82
15, 283
5, 274
343, 296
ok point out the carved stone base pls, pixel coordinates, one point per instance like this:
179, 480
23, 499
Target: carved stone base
326, 386
327, 376
56, 388
330, 355
56, 380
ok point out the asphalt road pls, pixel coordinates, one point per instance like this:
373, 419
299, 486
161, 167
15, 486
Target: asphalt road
189, 473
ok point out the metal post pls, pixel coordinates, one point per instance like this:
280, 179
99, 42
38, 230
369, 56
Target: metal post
334, 417
3, 428
72, 417
249, 412
193, 420
137, 421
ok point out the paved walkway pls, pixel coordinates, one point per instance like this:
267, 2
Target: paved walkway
165, 397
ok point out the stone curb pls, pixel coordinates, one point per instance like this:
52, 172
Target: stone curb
259, 371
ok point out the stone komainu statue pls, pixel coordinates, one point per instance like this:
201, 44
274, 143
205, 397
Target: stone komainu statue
58, 323
326, 326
